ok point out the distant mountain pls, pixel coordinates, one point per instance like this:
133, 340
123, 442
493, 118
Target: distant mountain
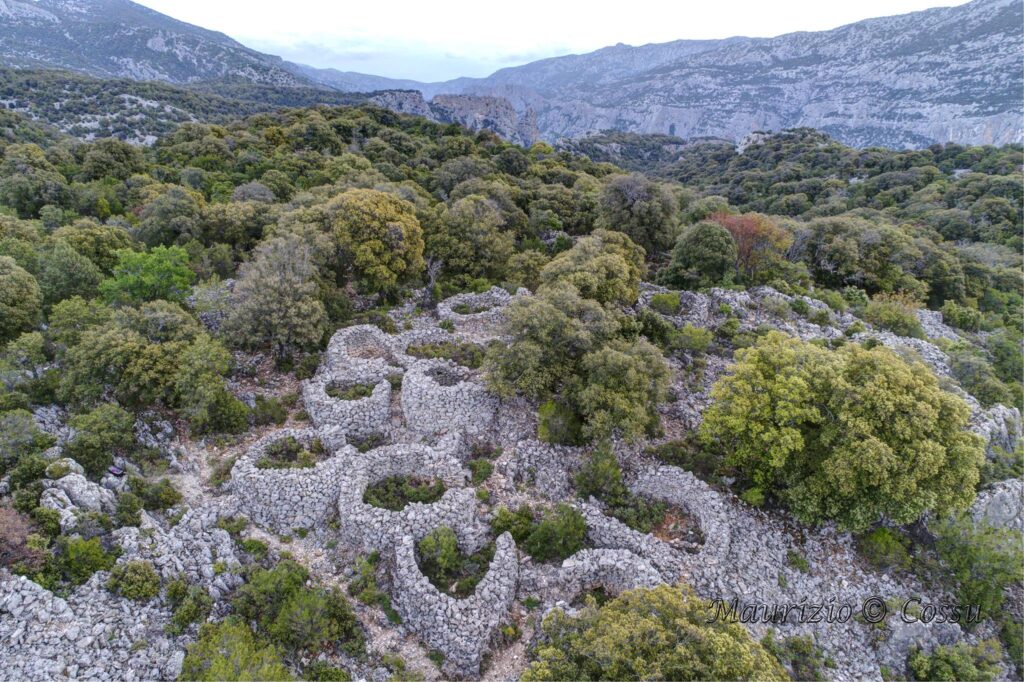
942, 75
122, 39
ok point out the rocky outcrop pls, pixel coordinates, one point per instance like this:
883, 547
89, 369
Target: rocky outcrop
1002, 505
476, 112
89, 635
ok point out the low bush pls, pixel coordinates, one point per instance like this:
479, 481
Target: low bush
229, 650
688, 454
396, 492
364, 587
895, 313
447, 568
155, 496
469, 355
352, 392
189, 603
559, 424
800, 655
481, 470
666, 304
960, 661
129, 510
286, 453
982, 560
884, 548
961, 317
136, 580
559, 534
269, 411
601, 477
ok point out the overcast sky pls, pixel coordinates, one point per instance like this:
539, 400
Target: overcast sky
433, 41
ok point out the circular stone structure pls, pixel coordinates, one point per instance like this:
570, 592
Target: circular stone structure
287, 499
461, 629
367, 528
439, 396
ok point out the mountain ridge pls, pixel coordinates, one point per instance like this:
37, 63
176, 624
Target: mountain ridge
948, 74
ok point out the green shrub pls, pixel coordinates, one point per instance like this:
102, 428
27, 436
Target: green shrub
129, 508
518, 523
136, 580
155, 496
666, 303
799, 654
798, 561
269, 411
481, 470
257, 549
959, 662
311, 618
601, 477
57, 470
559, 424
799, 306
982, 559
48, 521
260, 600
446, 567
189, 603
353, 392
469, 355
396, 492
559, 534
896, 313
688, 454
76, 559
961, 317
656, 634
306, 367
286, 453
321, 671
802, 423
100, 435
364, 587
884, 548
228, 651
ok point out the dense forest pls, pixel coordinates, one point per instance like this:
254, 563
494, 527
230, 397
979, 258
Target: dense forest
139, 280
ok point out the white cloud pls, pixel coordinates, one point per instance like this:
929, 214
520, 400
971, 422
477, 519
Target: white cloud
436, 41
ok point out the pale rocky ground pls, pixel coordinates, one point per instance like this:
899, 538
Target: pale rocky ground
430, 427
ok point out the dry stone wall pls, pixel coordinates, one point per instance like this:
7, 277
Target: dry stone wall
287, 499
438, 397
461, 629
365, 528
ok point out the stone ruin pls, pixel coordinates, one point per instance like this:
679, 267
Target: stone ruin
460, 628
439, 398
443, 408
367, 528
